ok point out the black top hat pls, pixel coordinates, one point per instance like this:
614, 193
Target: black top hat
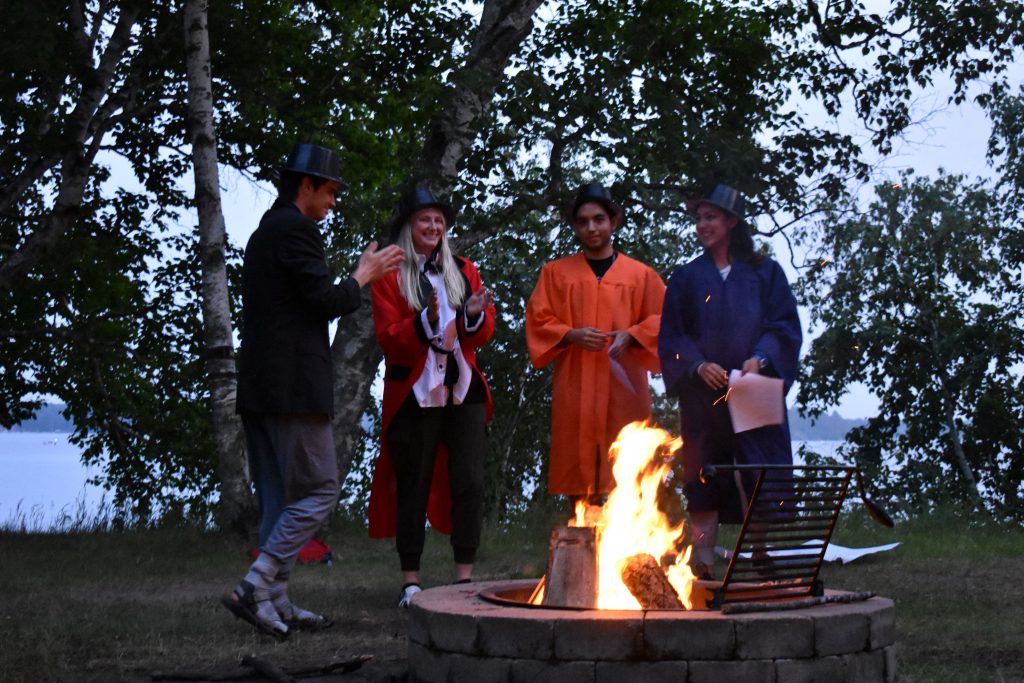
594, 192
415, 199
313, 160
726, 198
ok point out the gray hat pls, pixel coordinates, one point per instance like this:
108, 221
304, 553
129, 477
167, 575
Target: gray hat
313, 160
726, 198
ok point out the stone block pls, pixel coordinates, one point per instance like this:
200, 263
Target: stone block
463, 668
426, 666
889, 655
865, 667
752, 671
689, 635
533, 671
417, 630
515, 637
841, 632
641, 672
883, 623
820, 670
596, 635
774, 635
452, 632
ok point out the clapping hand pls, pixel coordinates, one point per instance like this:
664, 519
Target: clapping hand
433, 308
375, 264
478, 302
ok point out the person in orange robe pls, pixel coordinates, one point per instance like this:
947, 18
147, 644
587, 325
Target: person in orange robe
596, 315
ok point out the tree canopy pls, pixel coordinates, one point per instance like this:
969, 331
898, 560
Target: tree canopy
920, 302
506, 105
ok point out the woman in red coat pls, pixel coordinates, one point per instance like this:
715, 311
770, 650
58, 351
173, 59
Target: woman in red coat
430, 317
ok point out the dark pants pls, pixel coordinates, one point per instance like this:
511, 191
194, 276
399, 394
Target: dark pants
708, 439
413, 436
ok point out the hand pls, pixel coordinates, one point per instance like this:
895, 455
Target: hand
433, 308
753, 365
374, 264
587, 338
478, 302
621, 340
713, 374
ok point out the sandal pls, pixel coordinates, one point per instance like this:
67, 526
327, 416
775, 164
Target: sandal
260, 613
302, 619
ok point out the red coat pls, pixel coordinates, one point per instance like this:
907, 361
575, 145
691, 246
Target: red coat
405, 354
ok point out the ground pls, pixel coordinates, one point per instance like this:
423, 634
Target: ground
129, 605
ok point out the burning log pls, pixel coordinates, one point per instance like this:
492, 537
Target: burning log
571, 580
647, 582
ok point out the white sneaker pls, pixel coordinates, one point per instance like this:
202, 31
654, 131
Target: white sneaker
408, 590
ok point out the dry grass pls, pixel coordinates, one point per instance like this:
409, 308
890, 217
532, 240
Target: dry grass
121, 605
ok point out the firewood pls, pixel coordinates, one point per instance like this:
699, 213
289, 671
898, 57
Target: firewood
571, 580
647, 582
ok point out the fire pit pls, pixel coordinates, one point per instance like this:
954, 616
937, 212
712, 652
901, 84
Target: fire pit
593, 616
458, 634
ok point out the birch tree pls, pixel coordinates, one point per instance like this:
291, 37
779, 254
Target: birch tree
919, 302
232, 470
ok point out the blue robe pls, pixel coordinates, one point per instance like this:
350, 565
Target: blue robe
704, 318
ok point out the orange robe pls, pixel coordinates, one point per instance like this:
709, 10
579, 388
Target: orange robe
590, 400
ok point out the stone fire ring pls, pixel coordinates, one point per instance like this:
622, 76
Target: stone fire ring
455, 635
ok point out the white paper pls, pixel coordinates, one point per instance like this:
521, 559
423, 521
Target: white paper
619, 373
833, 553
754, 401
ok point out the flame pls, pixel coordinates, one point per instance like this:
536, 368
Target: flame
631, 522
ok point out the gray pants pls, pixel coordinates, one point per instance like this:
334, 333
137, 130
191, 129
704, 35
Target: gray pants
293, 466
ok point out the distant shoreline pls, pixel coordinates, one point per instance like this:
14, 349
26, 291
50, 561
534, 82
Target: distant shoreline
830, 427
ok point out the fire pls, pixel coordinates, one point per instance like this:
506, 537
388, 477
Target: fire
630, 522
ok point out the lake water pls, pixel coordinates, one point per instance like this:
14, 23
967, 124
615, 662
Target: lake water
43, 481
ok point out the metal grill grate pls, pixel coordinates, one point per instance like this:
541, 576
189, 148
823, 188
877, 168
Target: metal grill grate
787, 528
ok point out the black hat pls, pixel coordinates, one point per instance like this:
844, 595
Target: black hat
312, 160
726, 198
594, 192
415, 199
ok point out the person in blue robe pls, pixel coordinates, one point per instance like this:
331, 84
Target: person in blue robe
728, 309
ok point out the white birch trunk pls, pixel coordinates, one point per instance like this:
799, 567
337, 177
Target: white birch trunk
503, 26
232, 469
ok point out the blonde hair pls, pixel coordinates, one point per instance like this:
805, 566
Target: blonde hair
409, 271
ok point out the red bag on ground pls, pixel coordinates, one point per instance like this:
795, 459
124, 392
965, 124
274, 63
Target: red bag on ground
314, 552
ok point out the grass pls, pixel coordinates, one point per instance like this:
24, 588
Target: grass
121, 605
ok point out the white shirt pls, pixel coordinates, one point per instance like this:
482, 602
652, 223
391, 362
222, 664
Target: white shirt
429, 388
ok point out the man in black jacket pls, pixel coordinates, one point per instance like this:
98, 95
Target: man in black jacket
285, 393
